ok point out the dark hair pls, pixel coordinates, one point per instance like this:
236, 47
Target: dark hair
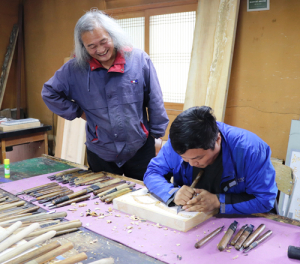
194, 128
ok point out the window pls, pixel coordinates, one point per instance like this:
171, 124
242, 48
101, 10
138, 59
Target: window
170, 47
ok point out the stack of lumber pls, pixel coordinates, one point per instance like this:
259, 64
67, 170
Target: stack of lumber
11, 125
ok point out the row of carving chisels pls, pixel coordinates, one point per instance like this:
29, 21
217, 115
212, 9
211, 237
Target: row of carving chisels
245, 239
102, 184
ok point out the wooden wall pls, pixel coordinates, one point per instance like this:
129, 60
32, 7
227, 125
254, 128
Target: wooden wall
264, 87
9, 17
264, 91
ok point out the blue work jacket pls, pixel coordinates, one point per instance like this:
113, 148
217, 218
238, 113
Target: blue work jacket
248, 180
115, 104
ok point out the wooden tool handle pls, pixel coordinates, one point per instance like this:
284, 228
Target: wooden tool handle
254, 235
247, 232
197, 179
17, 237
75, 200
237, 236
7, 232
263, 236
69, 197
73, 259
67, 225
52, 254
110, 199
225, 239
35, 253
208, 237
21, 248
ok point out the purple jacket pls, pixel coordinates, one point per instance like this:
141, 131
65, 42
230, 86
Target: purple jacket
114, 103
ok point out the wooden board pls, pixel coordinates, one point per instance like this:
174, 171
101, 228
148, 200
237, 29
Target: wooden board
12, 125
212, 52
73, 143
145, 206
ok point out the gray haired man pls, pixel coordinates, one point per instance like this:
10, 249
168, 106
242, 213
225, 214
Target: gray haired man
114, 87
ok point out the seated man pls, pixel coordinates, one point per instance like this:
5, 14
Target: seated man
238, 174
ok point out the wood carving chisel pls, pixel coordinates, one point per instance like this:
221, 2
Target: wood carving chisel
46, 200
35, 253
110, 199
118, 188
104, 179
101, 190
3, 199
247, 232
53, 177
238, 234
225, 239
37, 188
253, 236
84, 191
208, 237
103, 198
75, 200
259, 240
179, 208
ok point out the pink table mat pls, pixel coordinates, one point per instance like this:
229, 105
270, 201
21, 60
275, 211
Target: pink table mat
166, 245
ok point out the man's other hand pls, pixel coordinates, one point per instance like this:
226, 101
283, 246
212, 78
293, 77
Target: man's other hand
203, 202
184, 195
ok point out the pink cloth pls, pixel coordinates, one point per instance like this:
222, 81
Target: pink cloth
165, 245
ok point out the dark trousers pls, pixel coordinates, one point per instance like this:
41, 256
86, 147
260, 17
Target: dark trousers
134, 168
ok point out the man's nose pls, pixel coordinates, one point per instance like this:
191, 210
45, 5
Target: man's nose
193, 163
100, 49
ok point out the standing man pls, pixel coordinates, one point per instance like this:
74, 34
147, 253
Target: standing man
238, 174
113, 87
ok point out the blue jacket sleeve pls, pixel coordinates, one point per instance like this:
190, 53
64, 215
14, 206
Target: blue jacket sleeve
159, 166
158, 118
260, 186
56, 95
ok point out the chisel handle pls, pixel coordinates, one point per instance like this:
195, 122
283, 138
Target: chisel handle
69, 197
75, 200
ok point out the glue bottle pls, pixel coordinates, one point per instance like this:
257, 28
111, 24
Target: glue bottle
6, 168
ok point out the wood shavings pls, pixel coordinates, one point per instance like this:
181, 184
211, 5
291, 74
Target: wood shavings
135, 218
235, 257
129, 227
94, 214
109, 221
82, 204
97, 208
230, 247
177, 245
109, 209
72, 209
165, 228
102, 216
117, 215
93, 241
228, 251
174, 231
74, 204
204, 232
158, 225
81, 214
96, 202
80, 232
129, 231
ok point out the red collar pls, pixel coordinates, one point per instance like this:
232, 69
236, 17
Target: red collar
118, 65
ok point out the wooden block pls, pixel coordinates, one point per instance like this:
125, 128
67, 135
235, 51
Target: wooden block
145, 206
12, 125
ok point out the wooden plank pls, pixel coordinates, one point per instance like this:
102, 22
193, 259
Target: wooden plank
7, 61
144, 205
212, 52
73, 147
59, 136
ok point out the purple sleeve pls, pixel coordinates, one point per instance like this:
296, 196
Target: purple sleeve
56, 95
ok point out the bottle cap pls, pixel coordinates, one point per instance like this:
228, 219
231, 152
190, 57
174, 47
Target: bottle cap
6, 161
